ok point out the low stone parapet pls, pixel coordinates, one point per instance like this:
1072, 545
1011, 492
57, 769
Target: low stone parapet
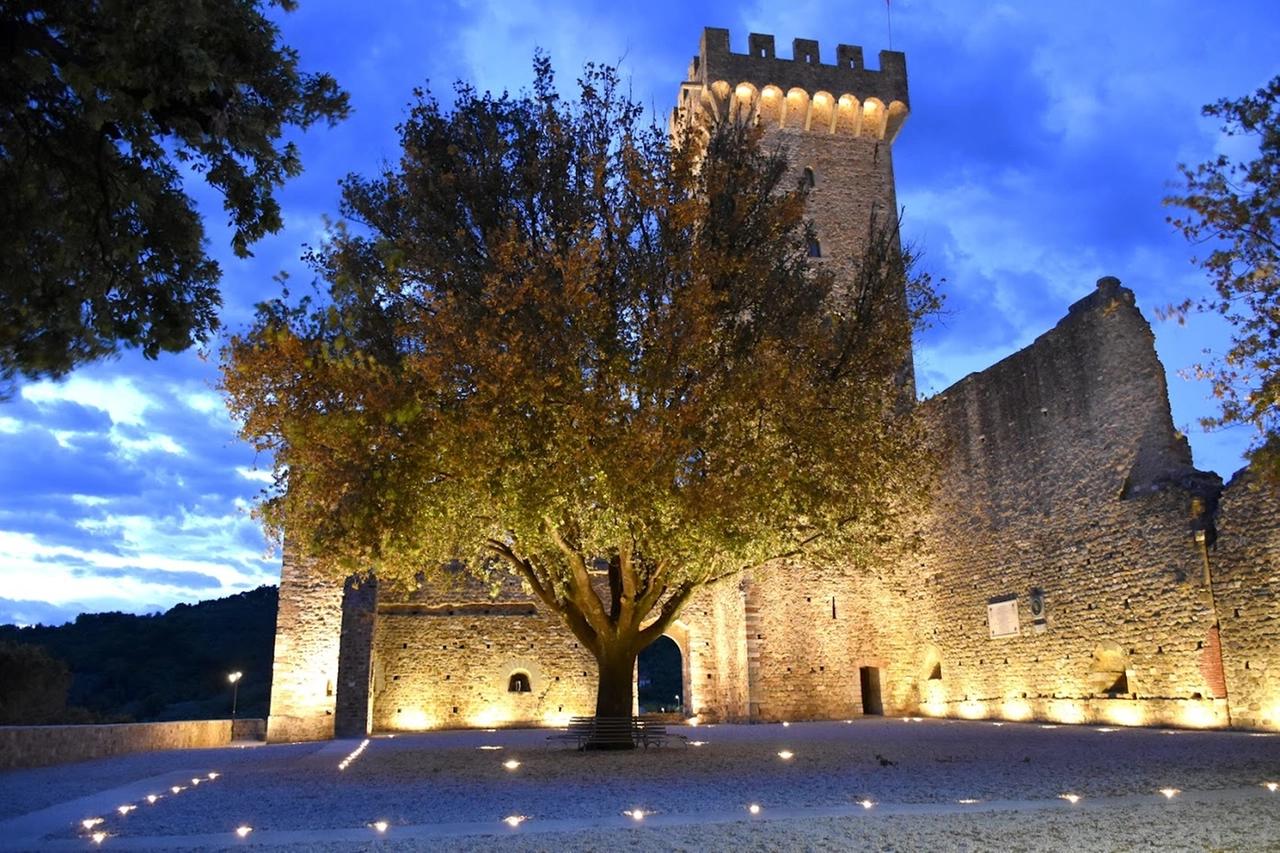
39, 746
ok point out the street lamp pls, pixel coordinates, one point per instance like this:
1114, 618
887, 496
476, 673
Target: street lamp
234, 678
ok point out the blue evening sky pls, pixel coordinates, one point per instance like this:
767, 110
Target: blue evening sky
1043, 136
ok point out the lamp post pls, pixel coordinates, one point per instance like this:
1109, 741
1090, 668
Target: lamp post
234, 678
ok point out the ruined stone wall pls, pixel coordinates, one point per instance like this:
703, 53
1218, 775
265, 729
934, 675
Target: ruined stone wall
1065, 483
353, 707
813, 630
444, 657
305, 668
712, 628
1245, 562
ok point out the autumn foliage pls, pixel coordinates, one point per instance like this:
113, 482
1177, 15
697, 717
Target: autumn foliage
554, 341
1232, 210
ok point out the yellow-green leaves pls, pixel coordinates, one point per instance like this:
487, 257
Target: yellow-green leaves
569, 346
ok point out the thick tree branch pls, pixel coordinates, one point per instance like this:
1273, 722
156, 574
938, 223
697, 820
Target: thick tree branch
567, 609
670, 610
580, 588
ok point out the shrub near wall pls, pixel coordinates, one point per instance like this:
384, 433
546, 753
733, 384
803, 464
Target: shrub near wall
39, 746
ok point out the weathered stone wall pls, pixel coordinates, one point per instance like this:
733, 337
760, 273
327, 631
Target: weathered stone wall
305, 670
816, 632
710, 635
452, 668
40, 746
1065, 480
353, 705
444, 657
1245, 564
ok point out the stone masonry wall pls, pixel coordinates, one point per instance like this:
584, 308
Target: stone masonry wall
444, 657
1246, 583
353, 709
710, 635
1065, 481
40, 746
813, 631
451, 668
305, 668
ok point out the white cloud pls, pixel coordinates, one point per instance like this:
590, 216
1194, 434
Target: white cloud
133, 448
118, 397
141, 569
258, 475
205, 402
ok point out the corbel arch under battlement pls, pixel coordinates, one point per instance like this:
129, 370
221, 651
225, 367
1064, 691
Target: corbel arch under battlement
795, 110
820, 112
874, 116
772, 108
746, 98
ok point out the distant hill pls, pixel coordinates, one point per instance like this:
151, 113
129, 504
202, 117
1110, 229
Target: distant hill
166, 666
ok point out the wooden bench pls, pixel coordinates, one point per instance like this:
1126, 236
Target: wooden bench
634, 731
578, 732
616, 731
653, 733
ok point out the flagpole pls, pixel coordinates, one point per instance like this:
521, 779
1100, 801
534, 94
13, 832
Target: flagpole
888, 20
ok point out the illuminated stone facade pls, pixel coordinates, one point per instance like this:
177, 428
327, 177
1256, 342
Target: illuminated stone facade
1075, 566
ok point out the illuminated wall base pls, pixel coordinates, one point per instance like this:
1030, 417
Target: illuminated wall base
1175, 713
284, 728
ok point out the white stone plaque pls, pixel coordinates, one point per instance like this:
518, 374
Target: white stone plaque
1002, 617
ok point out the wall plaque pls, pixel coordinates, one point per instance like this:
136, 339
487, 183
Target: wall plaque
1002, 617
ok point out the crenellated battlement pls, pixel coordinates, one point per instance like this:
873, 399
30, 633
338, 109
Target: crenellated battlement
845, 98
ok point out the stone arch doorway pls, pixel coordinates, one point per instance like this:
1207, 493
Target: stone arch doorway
660, 677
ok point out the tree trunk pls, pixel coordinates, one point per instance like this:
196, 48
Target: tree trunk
614, 697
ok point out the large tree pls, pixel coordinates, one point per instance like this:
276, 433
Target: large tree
104, 104
556, 344
1233, 209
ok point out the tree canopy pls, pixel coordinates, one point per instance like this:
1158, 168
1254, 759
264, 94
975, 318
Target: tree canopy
103, 107
1233, 209
553, 342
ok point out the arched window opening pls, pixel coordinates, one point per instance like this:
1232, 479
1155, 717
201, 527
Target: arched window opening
519, 683
808, 177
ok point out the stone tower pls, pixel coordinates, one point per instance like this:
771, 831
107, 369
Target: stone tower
837, 123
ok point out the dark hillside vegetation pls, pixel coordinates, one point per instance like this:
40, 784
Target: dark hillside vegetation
164, 666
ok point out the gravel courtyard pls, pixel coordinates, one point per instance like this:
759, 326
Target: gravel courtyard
868, 784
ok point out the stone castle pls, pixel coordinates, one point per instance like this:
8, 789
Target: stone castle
1076, 567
